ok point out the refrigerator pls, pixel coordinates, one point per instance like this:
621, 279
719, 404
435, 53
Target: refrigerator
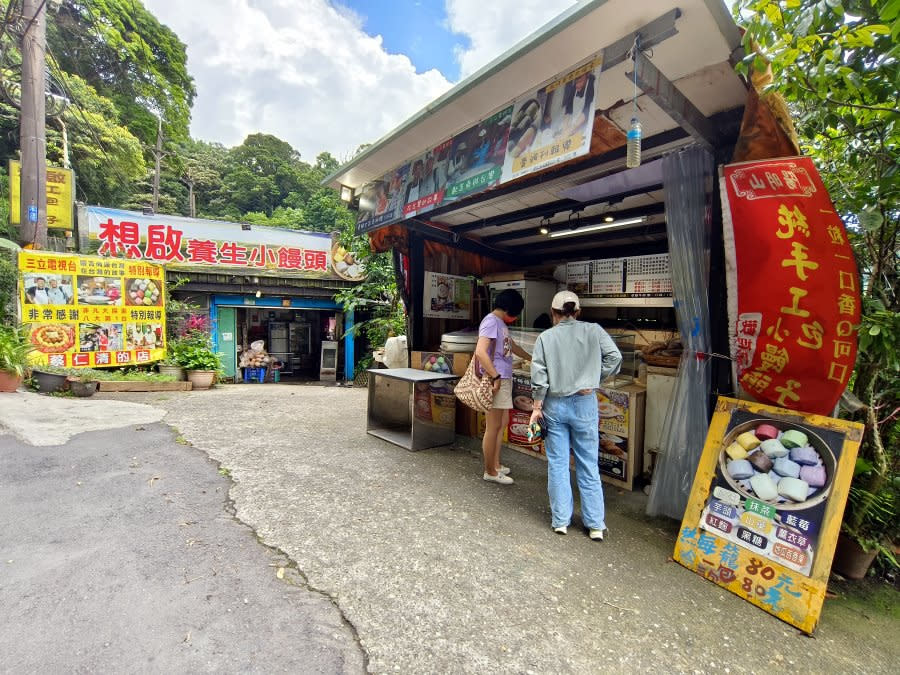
278, 344
537, 296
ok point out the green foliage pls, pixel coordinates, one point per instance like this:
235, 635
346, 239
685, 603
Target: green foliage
14, 349
377, 295
8, 287
194, 352
836, 63
129, 58
106, 156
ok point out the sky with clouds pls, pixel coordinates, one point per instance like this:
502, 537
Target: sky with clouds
329, 75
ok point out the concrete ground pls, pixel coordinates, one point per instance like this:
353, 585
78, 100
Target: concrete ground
437, 571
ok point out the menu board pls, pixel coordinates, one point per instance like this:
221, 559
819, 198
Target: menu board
578, 276
90, 312
447, 296
607, 276
648, 275
765, 510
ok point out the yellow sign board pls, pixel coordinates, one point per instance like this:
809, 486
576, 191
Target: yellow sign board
763, 523
60, 196
92, 312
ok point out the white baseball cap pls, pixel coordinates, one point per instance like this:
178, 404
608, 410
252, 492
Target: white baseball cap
561, 298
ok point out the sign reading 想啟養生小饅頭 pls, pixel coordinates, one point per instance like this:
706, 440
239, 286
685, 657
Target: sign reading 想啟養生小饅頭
765, 510
195, 244
793, 286
86, 312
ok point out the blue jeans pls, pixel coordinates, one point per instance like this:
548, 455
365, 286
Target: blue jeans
572, 421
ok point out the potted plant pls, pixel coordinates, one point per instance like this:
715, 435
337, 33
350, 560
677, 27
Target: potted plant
50, 379
82, 382
171, 365
14, 350
199, 360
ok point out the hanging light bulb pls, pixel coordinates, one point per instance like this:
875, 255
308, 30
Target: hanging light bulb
633, 152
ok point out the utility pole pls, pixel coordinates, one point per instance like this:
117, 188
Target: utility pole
158, 155
192, 202
32, 136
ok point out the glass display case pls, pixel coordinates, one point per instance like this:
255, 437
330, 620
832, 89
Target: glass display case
628, 371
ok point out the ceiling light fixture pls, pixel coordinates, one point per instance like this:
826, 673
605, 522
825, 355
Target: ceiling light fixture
545, 225
608, 219
600, 226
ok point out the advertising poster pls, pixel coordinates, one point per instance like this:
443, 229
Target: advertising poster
191, 244
60, 195
793, 285
766, 506
381, 201
477, 155
447, 296
613, 410
552, 124
92, 312
426, 181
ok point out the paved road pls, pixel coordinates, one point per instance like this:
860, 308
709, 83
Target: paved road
119, 553
435, 569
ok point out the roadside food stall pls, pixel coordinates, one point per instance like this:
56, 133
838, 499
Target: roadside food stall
517, 178
698, 249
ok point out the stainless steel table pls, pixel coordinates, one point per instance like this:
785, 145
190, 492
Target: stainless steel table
414, 409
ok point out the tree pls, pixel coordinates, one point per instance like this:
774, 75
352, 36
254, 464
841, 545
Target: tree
107, 158
122, 50
837, 66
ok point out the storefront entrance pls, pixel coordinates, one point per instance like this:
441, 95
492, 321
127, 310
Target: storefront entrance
292, 332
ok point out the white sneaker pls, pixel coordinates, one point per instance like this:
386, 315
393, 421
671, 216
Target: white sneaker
500, 478
504, 470
562, 529
596, 535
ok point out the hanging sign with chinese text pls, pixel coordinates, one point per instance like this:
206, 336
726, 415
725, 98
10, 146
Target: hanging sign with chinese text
552, 124
793, 286
60, 196
191, 243
90, 312
765, 510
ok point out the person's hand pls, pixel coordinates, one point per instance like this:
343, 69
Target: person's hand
497, 385
536, 414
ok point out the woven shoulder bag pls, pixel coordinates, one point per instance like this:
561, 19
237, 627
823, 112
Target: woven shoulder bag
475, 391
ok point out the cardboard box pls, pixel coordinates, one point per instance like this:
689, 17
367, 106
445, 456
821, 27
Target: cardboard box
454, 363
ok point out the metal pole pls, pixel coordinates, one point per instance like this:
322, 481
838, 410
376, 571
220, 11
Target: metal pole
32, 137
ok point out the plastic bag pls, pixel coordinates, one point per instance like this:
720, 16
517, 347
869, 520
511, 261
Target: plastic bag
258, 346
395, 354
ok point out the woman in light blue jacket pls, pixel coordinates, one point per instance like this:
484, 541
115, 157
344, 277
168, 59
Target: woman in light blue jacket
569, 362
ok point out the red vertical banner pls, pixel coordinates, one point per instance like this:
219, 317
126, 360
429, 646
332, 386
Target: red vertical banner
793, 287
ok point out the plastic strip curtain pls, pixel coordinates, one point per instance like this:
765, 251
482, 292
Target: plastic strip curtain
688, 182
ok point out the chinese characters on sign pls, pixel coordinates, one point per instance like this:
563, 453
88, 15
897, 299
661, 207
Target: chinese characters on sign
540, 129
793, 287
765, 510
90, 312
60, 195
190, 243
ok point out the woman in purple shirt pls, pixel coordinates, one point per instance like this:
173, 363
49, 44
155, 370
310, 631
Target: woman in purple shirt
494, 353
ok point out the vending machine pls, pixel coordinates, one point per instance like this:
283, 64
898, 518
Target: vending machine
328, 363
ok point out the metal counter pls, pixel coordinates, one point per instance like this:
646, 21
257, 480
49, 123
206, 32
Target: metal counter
414, 409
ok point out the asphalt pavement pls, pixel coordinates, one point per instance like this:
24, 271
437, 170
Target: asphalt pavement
394, 561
